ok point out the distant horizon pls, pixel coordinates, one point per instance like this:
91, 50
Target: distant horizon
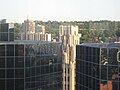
17, 21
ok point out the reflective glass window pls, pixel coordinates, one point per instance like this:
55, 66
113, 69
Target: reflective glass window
112, 56
4, 37
115, 85
2, 50
38, 70
33, 71
2, 62
2, 84
4, 27
19, 84
33, 85
27, 72
10, 62
33, 61
19, 62
27, 86
2, 73
19, 50
10, 84
11, 36
10, 50
19, 73
10, 73
27, 79
27, 61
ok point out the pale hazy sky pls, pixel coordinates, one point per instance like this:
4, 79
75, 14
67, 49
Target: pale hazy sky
61, 10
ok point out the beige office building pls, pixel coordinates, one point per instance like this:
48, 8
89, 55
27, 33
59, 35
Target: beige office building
42, 37
33, 31
28, 27
69, 36
40, 29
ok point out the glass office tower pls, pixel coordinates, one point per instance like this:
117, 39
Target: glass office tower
98, 66
7, 32
29, 65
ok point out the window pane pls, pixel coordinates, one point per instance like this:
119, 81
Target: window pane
2, 50
19, 50
38, 70
19, 62
10, 50
2, 62
3, 36
2, 84
19, 73
19, 84
10, 62
27, 61
27, 86
4, 27
11, 36
27, 72
33, 71
10, 73
33, 61
2, 73
10, 84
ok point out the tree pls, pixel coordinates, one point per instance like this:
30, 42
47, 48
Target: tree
17, 30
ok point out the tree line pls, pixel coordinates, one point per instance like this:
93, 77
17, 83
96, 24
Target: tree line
102, 30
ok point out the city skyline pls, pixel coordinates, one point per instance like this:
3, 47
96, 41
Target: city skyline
62, 10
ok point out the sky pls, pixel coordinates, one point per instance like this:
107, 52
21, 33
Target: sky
60, 10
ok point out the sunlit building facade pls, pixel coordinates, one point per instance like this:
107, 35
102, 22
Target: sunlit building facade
98, 66
69, 36
34, 31
28, 27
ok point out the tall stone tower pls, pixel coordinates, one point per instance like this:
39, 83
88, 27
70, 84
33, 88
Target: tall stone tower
34, 31
68, 35
28, 30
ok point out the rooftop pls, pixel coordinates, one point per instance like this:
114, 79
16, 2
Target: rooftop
27, 42
102, 45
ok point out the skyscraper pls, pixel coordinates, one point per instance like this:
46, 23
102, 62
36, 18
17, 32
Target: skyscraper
6, 32
98, 66
68, 35
34, 31
29, 65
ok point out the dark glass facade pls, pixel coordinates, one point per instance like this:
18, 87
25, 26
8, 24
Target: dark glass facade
30, 66
7, 32
98, 67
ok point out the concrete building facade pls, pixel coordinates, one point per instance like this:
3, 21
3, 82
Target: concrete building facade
68, 35
33, 31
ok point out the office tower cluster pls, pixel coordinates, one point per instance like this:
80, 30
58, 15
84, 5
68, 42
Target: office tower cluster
98, 66
27, 64
68, 35
36, 63
34, 31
